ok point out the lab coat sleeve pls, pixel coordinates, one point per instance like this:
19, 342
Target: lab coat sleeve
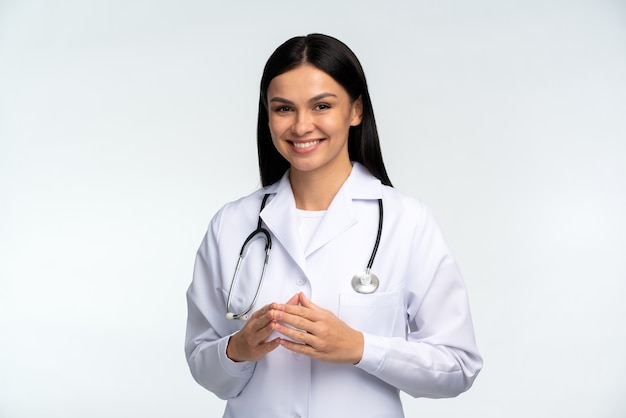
438, 358
208, 330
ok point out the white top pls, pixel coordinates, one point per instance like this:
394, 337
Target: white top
309, 221
417, 326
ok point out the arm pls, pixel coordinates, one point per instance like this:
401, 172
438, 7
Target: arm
433, 355
208, 330
439, 357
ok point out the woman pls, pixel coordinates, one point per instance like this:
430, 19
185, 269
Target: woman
316, 342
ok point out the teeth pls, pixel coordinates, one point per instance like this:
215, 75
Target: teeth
305, 144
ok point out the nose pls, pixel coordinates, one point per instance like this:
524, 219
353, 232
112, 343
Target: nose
303, 124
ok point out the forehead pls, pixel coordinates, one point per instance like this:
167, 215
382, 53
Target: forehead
304, 80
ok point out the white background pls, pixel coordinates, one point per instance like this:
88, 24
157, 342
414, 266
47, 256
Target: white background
124, 125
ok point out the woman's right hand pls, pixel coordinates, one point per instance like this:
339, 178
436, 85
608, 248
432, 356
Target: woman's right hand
250, 343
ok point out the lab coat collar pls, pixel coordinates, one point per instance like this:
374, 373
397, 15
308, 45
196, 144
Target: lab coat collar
362, 184
281, 217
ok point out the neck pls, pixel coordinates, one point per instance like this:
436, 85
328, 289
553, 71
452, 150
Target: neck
315, 191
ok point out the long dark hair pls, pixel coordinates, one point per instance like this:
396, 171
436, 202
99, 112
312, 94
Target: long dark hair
338, 61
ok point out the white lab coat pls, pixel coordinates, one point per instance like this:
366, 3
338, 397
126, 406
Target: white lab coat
417, 326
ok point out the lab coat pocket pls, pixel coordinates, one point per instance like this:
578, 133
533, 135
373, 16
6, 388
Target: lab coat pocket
377, 313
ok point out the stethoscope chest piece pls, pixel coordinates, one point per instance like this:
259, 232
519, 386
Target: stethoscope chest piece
365, 282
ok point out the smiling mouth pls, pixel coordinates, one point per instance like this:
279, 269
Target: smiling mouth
307, 144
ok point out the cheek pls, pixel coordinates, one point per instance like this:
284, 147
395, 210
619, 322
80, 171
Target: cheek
338, 125
276, 127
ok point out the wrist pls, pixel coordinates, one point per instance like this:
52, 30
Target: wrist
360, 339
231, 350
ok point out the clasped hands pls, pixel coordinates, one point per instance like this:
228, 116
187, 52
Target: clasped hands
309, 330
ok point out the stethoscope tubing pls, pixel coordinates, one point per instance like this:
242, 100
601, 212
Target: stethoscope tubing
268, 246
361, 282
378, 235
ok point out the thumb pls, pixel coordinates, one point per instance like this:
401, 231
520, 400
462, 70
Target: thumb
295, 300
304, 301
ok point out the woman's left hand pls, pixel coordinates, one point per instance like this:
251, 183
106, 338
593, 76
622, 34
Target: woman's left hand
318, 332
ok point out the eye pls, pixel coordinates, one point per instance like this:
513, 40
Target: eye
322, 106
282, 109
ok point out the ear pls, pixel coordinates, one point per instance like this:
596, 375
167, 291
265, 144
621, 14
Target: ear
357, 112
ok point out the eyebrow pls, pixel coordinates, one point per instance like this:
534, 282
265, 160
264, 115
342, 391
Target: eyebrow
311, 100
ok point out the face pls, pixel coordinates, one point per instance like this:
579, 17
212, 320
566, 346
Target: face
310, 115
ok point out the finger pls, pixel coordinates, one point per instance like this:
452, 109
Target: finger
298, 321
264, 333
299, 335
263, 311
297, 347
299, 311
295, 300
261, 318
304, 301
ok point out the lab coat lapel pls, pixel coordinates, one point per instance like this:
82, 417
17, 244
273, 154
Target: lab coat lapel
341, 214
280, 216
338, 218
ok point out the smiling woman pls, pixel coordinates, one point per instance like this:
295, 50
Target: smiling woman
320, 343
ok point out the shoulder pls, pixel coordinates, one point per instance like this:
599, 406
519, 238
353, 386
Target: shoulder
408, 210
244, 203
396, 205
242, 211
401, 201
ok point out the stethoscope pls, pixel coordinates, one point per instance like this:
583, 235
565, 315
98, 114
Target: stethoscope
363, 282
